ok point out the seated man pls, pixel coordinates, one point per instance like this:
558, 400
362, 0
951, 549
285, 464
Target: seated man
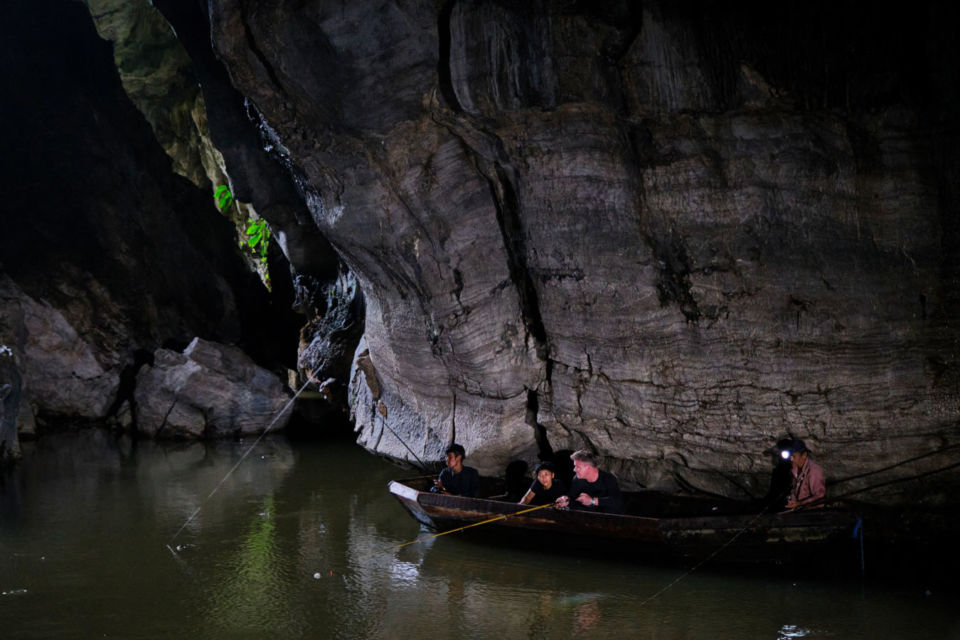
546, 488
781, 478
457, 479
809, 488
592, 488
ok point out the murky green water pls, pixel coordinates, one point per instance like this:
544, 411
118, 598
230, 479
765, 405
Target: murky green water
295, 544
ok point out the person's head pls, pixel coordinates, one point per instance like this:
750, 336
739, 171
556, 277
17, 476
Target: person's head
455, 454
796, 452
780, 452
545, 474
585, 465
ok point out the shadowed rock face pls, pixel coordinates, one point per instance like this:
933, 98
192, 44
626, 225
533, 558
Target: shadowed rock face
9, 405
670, 236
106, 254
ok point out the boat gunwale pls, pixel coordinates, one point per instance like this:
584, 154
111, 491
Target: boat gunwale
467, 507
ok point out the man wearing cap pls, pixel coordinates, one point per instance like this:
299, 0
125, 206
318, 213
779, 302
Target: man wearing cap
809, 488
546, 488
591, 488
457, 479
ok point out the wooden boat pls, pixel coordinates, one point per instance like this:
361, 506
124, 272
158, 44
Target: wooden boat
657, 525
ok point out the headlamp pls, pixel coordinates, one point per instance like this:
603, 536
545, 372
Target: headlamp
785, 454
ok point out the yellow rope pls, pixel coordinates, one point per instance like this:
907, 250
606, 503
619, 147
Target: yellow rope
475, 524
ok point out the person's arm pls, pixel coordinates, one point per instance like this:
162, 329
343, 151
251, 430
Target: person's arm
613, 501
570, 496
817, 486
590, 500
438, 483
531, 492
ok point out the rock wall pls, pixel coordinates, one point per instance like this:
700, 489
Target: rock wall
669, 234
157, 75
106, 254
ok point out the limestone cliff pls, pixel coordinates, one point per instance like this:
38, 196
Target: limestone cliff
671, 234
668, 234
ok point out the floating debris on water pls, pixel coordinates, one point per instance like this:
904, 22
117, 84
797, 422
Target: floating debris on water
789, 631
13, 592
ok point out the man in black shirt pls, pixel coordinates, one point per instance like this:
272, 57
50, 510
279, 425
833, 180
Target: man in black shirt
457, 479
591, 488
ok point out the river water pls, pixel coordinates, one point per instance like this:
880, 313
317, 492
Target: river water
295, 543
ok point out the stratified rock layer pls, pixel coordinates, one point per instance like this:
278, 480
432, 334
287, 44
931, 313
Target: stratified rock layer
669, 235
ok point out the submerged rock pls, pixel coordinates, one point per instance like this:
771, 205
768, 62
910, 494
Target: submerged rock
210, 390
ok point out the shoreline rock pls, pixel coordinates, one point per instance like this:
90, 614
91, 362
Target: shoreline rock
208, 391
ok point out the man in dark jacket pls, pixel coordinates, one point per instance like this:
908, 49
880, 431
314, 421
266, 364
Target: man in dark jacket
592, 488
457, 479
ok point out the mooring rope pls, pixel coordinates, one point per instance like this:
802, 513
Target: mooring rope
242, 458
705, 560
422, 466
895, 481
858, 528
894, 465
762, 513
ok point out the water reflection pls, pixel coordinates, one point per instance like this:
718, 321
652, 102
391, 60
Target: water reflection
297, 544
253, 592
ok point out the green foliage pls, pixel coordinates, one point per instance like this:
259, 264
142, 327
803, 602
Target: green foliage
258, 232
223, 196
258, 237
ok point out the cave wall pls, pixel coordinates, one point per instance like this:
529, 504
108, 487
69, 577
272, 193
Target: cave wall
669, 234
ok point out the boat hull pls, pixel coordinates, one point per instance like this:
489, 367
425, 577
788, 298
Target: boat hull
798, 537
